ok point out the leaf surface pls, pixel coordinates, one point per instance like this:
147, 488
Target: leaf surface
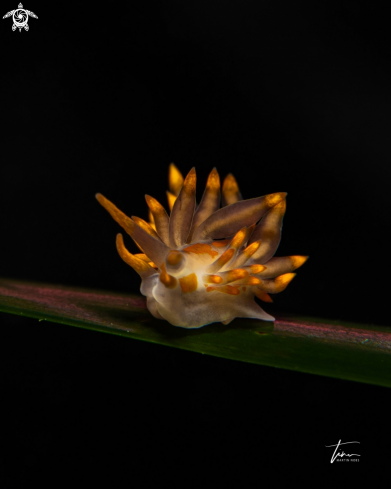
337, 349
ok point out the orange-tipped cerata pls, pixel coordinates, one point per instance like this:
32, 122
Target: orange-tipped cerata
207, 263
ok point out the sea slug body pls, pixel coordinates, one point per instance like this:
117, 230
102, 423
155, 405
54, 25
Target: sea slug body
205, 264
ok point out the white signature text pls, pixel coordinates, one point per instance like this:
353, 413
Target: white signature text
342, 453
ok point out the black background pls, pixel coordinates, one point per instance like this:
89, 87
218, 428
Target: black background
288, 96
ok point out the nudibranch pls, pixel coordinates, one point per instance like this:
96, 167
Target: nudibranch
205, 264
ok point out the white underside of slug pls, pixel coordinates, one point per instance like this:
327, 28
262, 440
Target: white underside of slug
191, 276
192, 303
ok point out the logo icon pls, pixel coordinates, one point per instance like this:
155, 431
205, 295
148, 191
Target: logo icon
20, 17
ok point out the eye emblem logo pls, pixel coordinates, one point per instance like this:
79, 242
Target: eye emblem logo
20, 16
